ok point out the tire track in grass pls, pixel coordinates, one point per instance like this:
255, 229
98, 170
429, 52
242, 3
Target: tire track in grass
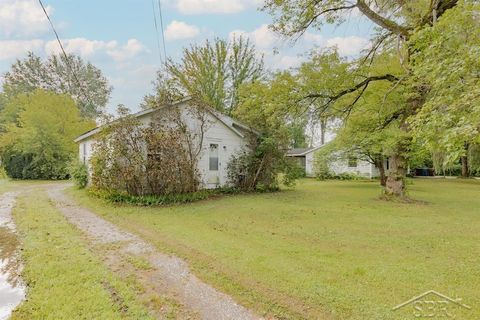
64, 279
169, 275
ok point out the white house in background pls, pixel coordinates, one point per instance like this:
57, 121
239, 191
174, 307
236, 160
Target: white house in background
223, 137
306, 157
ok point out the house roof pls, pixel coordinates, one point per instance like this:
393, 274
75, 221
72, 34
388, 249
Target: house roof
234, 125
296, 152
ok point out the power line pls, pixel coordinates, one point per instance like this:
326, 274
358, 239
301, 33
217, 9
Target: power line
163, 32
156, 30
67, 62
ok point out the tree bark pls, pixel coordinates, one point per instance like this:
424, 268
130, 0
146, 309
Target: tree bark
465, 170
323, 129
381, 170
395, 184
464, 160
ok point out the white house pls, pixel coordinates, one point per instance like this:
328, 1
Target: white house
223, 137
306, 157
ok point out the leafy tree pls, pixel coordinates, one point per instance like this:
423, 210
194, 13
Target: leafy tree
269, 106
166, 90
446, 56
212, 72
39, 145
322, 74
397, 21
71, 75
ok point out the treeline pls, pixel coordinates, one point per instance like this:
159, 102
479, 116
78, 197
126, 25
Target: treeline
44, 106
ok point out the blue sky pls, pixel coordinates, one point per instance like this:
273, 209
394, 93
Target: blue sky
119, 36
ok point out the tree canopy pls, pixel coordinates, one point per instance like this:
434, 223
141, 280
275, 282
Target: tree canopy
422, 37
39, 143
212, 72
70, 75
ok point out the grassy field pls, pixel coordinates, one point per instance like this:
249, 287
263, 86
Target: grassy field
65, 280
325, 249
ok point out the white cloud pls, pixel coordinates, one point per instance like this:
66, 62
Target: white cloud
262, 37
287, 61
214, 6
11, 49
87, 48
287, 54
348, 46
22, 18
130, 50
177, 30
80, 46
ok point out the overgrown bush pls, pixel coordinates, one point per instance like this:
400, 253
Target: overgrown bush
38, 132
79, 174
20, 165
158, 159
259, 167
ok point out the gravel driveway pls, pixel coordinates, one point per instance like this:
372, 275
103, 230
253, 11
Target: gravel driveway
172, 273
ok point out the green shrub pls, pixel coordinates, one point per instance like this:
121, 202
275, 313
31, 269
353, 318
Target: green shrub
159, 200
347, 176
79, 174
321, 167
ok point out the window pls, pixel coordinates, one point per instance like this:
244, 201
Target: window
352, 162
213, 157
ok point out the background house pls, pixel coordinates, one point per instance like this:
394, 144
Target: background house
305, 158
341, 164
223, 137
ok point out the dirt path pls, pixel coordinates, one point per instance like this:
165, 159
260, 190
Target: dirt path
12, 290
169, 275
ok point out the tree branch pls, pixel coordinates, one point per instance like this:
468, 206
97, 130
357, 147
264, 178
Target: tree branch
436, 12
367, 81
382, 21
301, 30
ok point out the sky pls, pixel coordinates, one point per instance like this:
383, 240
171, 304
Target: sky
119, 36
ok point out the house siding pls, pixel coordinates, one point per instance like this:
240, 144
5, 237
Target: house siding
228, 141
363, 168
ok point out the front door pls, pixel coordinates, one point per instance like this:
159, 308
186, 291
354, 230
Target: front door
213, 165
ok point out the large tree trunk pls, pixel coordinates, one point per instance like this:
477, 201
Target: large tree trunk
395, 184
465, 171
381, 170
464, 160
323, 129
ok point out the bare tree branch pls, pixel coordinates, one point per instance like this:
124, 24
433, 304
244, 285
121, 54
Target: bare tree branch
303, 28
367, 81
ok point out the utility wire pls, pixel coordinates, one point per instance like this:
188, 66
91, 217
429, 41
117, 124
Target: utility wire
156, 30
163, 32
67, 62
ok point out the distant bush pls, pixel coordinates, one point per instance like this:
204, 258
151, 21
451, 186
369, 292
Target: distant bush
3, 173
79, 174
347, 176
321, 166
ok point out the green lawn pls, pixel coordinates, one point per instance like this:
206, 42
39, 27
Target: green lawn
325, 249
65, 279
